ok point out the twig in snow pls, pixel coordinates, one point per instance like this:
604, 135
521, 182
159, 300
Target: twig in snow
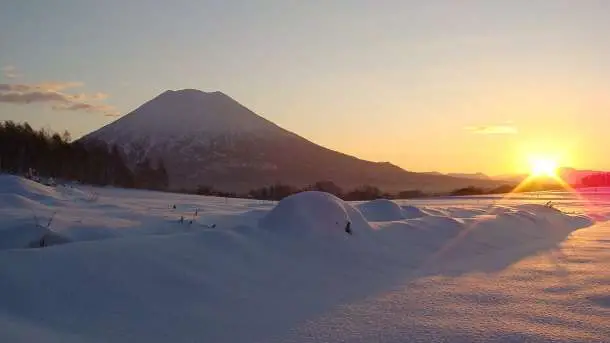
42, 242
37, 221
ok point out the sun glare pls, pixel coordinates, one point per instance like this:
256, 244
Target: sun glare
544, 167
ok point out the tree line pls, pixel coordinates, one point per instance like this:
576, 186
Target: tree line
49, 154
366, 192
601, 179
279, 191
55, 155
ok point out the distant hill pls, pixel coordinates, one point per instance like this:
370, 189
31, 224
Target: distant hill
514, 178
207, 138
477, 176
571, 176
574, 176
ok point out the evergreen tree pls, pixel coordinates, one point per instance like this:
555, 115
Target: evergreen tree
162, 177
54, 155
328, 187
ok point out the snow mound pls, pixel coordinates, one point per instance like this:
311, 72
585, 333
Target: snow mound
18, 201
317, 212
380, 210
28, 235
412, 212
72, 192
18, 186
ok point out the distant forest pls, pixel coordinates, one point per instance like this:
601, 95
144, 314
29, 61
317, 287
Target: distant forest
51, 154
601, 179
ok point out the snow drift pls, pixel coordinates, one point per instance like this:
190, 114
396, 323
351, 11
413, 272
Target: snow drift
130, 270
381, 210
14, 189
315, 212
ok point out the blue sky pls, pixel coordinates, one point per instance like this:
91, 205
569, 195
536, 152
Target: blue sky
429, 85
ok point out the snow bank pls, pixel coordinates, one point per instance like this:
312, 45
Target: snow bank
14, 187
314, 212
18, 201
130, 271
412, 212
381, 210
29, 235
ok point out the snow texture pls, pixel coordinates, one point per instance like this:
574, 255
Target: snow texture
472, 269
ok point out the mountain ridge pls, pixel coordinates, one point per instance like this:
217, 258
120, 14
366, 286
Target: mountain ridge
208, 138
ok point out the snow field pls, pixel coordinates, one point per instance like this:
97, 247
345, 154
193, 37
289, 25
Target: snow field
124, 269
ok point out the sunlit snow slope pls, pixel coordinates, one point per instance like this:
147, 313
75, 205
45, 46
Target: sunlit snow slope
125, 266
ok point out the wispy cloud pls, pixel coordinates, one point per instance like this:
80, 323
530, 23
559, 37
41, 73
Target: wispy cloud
504, 129
87, 107
36, 87
57, 86
10, 72
54, 93
94, 96
30, 97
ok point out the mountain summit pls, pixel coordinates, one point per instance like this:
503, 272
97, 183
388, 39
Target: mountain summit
207, 138
178, 113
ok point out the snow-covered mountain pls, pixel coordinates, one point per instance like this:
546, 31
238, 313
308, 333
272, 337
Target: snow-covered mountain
207, 138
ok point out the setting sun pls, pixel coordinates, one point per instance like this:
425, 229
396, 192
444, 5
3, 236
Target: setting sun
544, 167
